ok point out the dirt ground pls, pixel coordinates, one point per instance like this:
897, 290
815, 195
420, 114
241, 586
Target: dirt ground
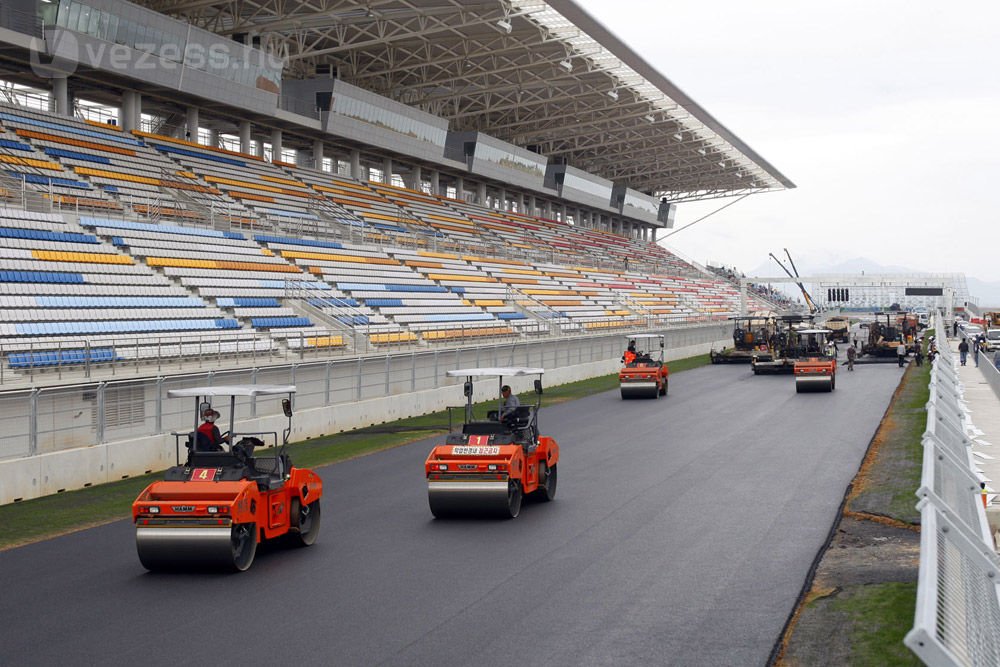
862, 552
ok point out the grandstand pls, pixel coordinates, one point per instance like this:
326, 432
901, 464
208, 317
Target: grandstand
267, 205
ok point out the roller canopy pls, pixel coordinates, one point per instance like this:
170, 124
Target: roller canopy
233, 390
494, 372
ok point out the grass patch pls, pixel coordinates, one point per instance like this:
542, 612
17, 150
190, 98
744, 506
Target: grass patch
32, 520
891, 472
879, 616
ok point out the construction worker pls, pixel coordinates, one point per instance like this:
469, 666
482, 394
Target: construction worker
209, 437
852, 353
510, 402
629, 355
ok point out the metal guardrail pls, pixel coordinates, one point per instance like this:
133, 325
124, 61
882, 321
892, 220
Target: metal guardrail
957, 616
43, 420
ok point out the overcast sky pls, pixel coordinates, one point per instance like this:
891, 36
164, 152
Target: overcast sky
886, 115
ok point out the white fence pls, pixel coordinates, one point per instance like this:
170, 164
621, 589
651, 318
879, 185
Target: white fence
957, 618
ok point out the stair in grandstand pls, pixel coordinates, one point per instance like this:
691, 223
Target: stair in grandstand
350, 336
13, 193
538, 312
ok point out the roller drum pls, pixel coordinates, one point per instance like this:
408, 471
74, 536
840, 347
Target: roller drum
639, 390
474, 498
188, 547
814, 383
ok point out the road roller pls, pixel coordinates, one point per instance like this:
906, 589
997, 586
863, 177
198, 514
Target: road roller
644, 376
816, 369
213, 510
487, 468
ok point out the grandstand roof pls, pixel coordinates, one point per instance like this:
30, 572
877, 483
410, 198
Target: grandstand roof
537, 74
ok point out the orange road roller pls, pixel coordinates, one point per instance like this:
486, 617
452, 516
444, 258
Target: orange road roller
644, 376
816, 370
212, 511
487, 468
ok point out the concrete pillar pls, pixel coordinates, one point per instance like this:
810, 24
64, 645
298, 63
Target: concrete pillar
503, 199
532, 205
317, 154
60, 96
131, 110
460, 188
416, 178
245, 141
259, 148
481, 194
387, 171
547, 210
191, 124
275, 145
356, 165
213, 138
302, 157
436, 182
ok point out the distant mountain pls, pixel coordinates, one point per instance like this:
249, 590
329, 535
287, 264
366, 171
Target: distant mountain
987, 293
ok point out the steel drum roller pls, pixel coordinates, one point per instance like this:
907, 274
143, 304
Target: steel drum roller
639, 390
815, 383
167, 548
472, 498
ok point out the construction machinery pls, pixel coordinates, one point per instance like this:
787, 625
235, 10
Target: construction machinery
783, 348
214, 509
810, 304
816, 368
487, 468
645, 376
840, 328
750, 333
885, 332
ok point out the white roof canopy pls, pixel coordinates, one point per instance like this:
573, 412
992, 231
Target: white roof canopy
494, 372
233, 390
536, 73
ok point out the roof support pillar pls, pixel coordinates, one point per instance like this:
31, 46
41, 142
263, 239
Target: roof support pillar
436, 182
131, 110
192, 120
245, 146
317, 154
387, 171
60, 96
275, 145
460, 188
356, 165
481, 194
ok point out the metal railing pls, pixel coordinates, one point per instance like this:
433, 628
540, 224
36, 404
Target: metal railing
957, 617
43, 420
112, 357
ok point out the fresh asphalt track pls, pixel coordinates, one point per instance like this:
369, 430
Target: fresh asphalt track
681, 534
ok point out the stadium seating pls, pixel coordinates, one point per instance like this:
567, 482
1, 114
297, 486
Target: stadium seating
330, 259
66, 291
245, 280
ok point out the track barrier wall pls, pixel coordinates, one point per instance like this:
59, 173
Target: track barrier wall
68, 437
957, 616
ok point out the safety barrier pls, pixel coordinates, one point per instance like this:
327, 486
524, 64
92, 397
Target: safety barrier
957, 617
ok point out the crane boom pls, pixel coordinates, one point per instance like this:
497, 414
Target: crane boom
795, 277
